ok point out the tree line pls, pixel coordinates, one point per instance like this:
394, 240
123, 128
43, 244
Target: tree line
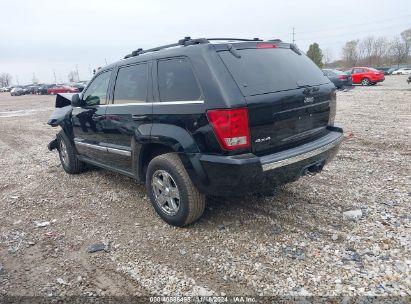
370, 51
5, 80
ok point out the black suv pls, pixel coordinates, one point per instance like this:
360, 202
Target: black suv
43, 89
202, 117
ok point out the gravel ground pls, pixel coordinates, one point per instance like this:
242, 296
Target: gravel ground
296, 242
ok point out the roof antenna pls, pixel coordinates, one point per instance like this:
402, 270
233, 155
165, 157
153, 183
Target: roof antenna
184, 40
135, 53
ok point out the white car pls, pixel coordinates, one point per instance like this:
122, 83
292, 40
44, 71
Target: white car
402, 71
17, 91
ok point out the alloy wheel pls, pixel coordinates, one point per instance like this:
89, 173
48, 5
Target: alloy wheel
365, 82
63, 152
166, 193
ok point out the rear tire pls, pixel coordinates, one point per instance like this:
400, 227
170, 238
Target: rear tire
365, 82
172, 193
68, 157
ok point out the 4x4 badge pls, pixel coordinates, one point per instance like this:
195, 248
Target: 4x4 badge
258, 140
308, 99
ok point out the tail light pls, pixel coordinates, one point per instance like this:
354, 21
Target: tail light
343, 77
333, 108
231, 127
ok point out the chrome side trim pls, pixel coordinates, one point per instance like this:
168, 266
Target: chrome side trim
119, 151
179, 102
97, 147
103, 148
130, 104
295, 159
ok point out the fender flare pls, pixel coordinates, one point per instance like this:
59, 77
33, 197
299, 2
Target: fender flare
176, 139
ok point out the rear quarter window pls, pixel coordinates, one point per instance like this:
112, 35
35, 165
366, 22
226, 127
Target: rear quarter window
176, 80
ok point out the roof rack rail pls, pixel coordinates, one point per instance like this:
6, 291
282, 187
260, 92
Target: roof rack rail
184, 42
235, 39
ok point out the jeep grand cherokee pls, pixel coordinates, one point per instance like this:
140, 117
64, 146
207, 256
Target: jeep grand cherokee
202, 117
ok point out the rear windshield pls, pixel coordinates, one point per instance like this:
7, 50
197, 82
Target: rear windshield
260, 71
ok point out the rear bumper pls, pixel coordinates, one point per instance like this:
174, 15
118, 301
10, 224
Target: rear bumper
377, 78
248, 173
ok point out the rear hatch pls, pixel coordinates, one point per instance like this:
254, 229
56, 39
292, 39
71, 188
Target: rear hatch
289, 99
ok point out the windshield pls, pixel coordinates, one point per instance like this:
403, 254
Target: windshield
260, 71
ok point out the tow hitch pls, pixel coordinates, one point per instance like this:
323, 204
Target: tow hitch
313, 168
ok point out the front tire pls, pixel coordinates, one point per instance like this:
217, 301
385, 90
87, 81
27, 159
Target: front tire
68, 157
365, 82
172, 193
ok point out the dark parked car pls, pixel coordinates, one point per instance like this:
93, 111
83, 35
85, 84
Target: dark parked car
391, 70
339, 79
383, 69
32, 89
202, 117
25, 90
42, 90
409, 79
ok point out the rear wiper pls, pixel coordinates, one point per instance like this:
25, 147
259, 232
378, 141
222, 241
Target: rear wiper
295, 49
307, 88
233, 51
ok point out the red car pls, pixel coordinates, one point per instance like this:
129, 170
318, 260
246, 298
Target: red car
62, 89
365, 76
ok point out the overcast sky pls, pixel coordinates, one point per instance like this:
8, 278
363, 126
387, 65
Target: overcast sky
47, 36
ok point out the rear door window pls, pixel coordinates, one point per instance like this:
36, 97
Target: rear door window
176, 80
260, 71
131, 84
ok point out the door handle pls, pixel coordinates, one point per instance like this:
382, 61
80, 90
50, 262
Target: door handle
139, 117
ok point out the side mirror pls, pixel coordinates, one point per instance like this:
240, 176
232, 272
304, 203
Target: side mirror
76, 101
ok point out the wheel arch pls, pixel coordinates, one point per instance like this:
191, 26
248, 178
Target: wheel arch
166, 139
365, 77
